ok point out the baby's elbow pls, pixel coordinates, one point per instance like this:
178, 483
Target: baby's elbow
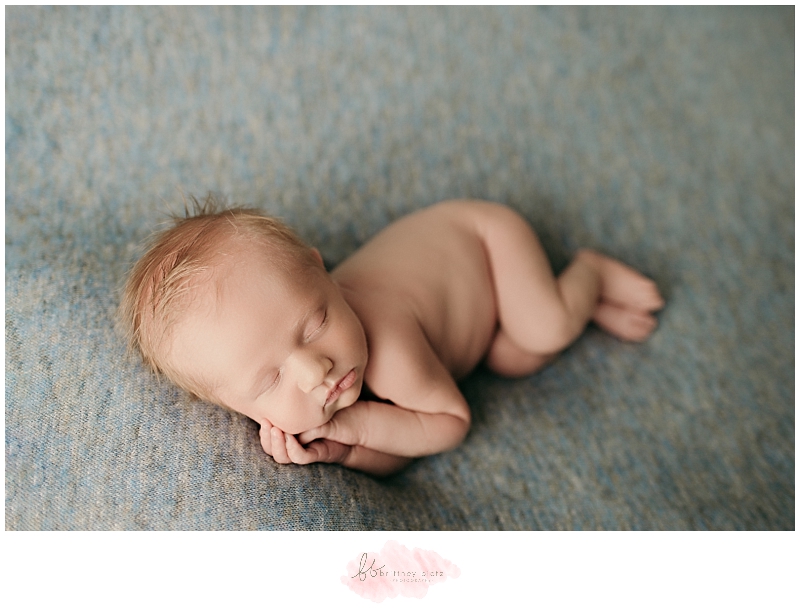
441, 431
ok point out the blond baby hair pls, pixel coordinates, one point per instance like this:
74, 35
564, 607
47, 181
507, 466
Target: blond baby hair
178, 260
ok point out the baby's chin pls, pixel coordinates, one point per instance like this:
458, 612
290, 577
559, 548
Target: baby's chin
311, 426
347, 399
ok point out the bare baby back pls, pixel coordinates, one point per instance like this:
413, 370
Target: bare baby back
429, 270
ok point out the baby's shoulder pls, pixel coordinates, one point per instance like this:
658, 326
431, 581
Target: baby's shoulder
387, 318
390, 323
400, 354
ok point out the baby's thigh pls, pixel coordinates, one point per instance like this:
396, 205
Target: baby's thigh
518, 262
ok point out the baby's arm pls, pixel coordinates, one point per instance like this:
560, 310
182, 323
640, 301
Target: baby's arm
428, 414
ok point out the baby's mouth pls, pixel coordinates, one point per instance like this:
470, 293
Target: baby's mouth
343, 385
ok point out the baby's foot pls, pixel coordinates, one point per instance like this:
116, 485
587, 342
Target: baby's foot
624, 286
624, 323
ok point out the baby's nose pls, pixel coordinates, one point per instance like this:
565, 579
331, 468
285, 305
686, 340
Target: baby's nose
314, 369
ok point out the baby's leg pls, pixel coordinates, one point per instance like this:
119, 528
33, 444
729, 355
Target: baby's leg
540, 314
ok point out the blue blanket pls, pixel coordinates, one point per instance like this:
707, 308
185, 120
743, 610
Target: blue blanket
662, 136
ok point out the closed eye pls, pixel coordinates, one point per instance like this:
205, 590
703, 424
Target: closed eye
272, 384
322, 323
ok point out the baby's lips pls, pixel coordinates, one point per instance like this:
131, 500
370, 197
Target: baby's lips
343, 385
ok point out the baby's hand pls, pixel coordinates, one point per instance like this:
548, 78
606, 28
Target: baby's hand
285, 448
344, 427
323, 431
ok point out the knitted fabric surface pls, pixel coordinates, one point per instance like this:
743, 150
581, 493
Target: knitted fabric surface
661, 136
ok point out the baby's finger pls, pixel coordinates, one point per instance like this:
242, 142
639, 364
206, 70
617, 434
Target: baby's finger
279, 446
329, 451
313, 434
264, 434
297, 453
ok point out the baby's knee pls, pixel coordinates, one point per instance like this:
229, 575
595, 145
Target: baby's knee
565, 329
507, 359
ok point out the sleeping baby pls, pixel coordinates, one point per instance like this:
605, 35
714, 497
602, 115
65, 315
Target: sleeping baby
359, 366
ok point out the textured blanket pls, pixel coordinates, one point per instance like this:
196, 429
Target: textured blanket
662, 136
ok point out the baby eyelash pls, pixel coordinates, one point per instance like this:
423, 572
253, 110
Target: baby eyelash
272, 384
321, 325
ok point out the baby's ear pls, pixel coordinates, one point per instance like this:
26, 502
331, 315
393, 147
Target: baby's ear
318, 257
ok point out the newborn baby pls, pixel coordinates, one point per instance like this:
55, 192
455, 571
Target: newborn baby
359, 366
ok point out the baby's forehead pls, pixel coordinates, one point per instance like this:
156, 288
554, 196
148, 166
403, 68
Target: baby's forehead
239, 248
238, 257
248, 269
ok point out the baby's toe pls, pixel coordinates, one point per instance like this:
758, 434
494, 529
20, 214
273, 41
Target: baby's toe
638, 327
625, 324
649, 298
639, 295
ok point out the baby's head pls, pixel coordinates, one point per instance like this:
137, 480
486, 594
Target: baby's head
231, 306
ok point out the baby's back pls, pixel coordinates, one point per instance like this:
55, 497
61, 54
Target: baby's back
430, 266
